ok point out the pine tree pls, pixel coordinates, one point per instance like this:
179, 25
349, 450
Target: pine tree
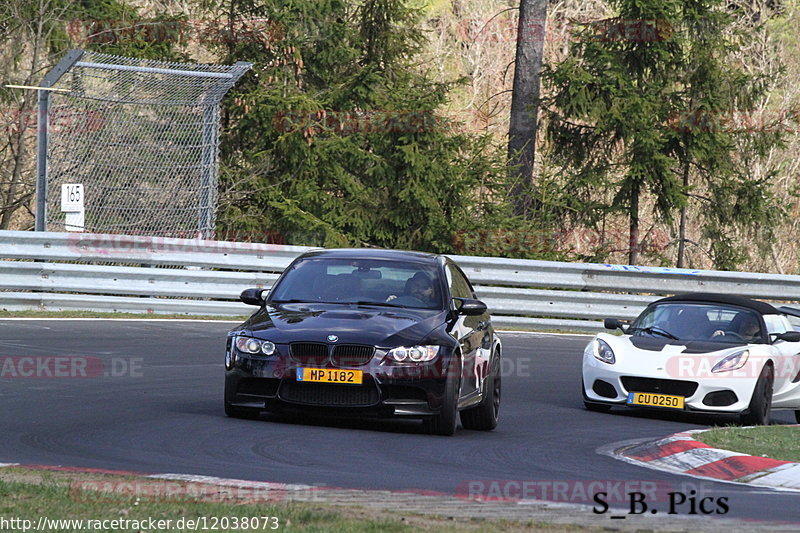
336, 138
623, 116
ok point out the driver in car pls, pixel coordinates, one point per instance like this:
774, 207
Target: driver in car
744, 325
749, 328
419, 292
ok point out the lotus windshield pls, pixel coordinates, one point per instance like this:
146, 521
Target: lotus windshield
700, 322
361, 281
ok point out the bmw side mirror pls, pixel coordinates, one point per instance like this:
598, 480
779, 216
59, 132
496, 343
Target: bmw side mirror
469, 306
788, 336
614, 323
253, 296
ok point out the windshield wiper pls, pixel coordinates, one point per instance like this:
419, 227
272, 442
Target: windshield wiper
380, 304
658, 331
293, 301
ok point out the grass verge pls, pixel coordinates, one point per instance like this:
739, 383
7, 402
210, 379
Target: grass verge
28, 495
775, 442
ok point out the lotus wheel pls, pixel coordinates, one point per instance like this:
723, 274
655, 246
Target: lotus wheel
593, 406
758, 414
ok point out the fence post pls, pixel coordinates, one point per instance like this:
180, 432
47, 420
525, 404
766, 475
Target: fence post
209, 175
43, 122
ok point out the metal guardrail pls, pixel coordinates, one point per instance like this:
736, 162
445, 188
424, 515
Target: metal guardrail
145, 281
138, 250
23, 301
121, 273
626, 278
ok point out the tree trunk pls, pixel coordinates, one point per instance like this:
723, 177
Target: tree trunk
684, 216
633, 244
10, 200
19, 158
524, 110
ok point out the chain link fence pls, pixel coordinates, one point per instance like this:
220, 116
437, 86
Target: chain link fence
142, 137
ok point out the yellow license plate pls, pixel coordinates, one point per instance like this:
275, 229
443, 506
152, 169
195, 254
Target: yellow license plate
330, 375
655, 400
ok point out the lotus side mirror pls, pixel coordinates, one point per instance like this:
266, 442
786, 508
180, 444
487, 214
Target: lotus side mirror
469, 307
788, 336
253, 296
614, 323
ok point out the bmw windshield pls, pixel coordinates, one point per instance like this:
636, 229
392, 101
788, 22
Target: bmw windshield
361, 281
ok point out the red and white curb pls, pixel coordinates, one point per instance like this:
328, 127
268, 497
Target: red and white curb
679, 453
215, 489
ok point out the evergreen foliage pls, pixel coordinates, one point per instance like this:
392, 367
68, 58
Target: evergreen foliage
115, 27
637, 109
336, 137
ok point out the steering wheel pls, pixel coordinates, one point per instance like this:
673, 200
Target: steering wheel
406, 300
734, 334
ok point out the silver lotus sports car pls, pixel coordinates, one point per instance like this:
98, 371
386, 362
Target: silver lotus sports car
698, 352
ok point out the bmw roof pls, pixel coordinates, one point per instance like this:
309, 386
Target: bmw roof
372, 253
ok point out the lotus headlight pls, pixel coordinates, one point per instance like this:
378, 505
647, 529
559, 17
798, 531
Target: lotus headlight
254, 346
732, 362
416, 354
602, 351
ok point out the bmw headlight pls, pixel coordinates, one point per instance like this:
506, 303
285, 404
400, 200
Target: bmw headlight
602, 351
732, 362
415, 354
230, 358
254, 346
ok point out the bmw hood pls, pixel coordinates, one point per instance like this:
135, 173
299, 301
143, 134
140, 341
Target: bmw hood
328, 323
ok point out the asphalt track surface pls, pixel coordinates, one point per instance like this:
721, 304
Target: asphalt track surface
155, 406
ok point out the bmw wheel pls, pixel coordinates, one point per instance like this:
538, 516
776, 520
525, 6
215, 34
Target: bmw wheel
241, 412
236, 411
444, 423
484, 416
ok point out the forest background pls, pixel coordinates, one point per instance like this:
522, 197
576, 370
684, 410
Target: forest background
385, 122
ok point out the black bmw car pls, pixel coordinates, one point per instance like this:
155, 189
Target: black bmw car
368, 332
